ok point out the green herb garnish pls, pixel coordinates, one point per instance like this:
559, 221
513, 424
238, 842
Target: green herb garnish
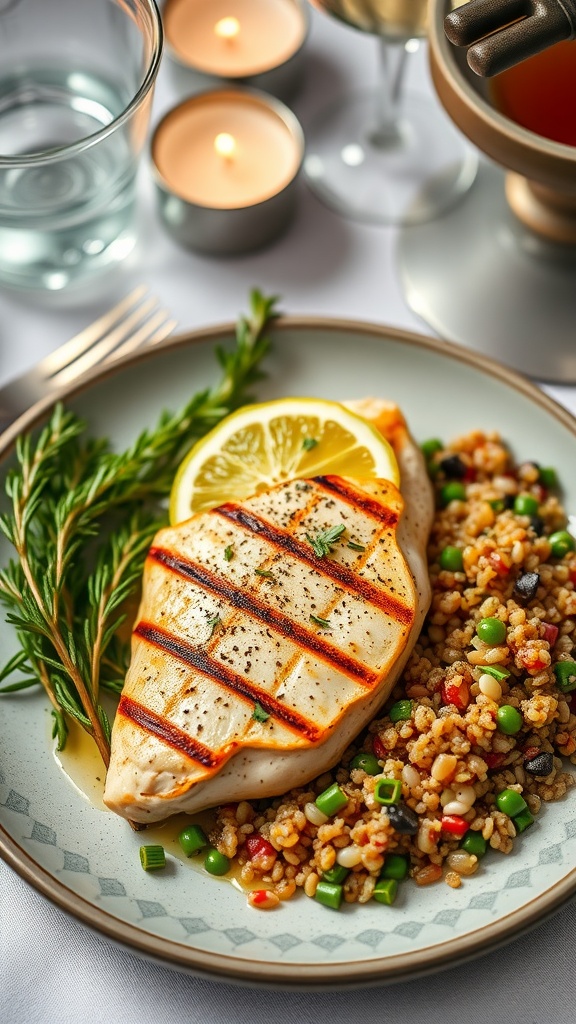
214, 622
323, 542
320, 622
81, 520
259, 713
356, 547
309, 443
265, 573
228, 554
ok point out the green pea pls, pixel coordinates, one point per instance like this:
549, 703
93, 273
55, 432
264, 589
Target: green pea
367, 762
395, 866
452, 491
492, 631
388, 791
509, 720
385, 891
525, 505
565, 672
401, 711
510, 802
431, 447
331, 800
451, 559
548, 477
474, 842
329, 894
216, 863
523, 820
561, 543
192, 839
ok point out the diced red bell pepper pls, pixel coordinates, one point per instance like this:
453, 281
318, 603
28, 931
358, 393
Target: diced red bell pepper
469, 476
530, 752
456, 693
379, 749
257, 846
454, 824
572, 576
493, 760
259, 895
498, 563
550, 633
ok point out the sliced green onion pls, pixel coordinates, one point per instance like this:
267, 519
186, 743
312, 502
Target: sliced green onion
385, 891
496, 671
152, 857
329, 894
510, 802
395, 866
388, 791
336, 875
331, 800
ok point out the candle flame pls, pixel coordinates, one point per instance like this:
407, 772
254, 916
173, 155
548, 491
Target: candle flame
225, 144
227, 28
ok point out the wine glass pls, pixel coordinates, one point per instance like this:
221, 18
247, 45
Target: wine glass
382, 155
498, 273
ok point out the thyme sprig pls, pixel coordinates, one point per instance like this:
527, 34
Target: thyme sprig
81, 520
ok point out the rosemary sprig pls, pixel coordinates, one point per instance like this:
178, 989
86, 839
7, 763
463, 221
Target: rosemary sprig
81, 520
325, 539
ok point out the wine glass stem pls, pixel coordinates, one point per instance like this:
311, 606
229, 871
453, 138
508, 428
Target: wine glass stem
392, 68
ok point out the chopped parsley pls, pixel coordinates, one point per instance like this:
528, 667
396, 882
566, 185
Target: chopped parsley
309, 443
214, 622
259, 714
228, 554
265, 573
320, 622
323, 542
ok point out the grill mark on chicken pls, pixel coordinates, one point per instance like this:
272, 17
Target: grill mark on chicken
171, 734
351, 581
215, 670
359, 500
248, 603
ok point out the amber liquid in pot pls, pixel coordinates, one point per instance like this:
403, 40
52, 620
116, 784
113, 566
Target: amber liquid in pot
540, 93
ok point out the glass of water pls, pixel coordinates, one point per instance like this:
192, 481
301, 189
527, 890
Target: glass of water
76, 84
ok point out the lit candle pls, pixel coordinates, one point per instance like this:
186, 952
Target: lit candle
226, 164
254, 42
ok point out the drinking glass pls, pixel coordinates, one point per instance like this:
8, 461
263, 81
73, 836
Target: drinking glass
382, 155
76, 83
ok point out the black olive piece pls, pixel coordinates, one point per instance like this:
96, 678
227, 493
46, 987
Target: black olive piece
453, 467
542, 764
509, 500
537, 524
403, 819
526, 586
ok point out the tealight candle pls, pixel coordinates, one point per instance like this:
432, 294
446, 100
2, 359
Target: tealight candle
226, 163
252, 42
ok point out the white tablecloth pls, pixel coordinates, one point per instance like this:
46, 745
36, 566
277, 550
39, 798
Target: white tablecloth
53, 970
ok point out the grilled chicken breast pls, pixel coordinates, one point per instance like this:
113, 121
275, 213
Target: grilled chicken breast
255, 661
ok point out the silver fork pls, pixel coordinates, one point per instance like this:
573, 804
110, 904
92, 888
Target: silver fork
136, 321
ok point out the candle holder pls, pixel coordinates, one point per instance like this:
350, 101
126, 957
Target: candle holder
254, 43
225, 166
380, 155
497, 274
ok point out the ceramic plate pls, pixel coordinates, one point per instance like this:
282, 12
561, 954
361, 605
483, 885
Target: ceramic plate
86, 860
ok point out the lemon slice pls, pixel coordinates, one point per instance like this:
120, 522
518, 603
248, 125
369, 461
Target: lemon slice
262, 445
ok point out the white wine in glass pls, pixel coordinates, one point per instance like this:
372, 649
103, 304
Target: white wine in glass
382, 155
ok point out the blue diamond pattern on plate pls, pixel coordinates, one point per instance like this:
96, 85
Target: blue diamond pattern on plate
518, 879
74, 862
239, 935
285, 942
448, 917
150, 909
550, 855
409, 930
372, 937
194, 925
483, 901
328, 942
43, 834
111, 887
18, 803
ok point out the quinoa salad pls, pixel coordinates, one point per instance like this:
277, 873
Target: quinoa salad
480, 729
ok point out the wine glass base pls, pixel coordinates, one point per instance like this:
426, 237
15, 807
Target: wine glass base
411, 176
479, 278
